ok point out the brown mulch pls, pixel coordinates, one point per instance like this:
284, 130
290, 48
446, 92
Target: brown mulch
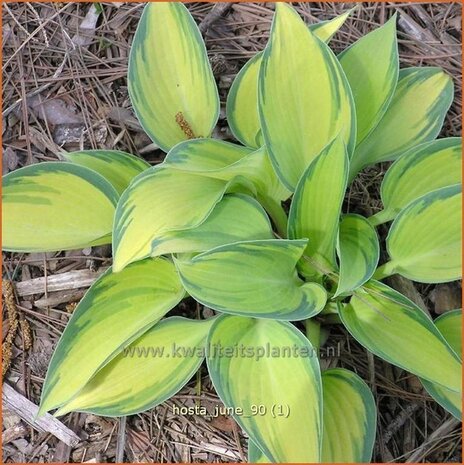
64, 88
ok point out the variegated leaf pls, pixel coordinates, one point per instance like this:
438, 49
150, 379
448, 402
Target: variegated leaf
242, 100
424, 242
450, 326
421, 170
158, 201
235, 218
56, 206
116, 309
254, 278
316, 207
148, 372
415, 115
349, 420
287, 387
316, 97
170, 81
223, 160
358, 252
118, 168
371, 66
242, 104
395, 329
350, 417
325, 30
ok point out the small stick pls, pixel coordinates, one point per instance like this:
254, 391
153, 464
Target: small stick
121, 443
27, 410
440, 433
213, 15
59, 282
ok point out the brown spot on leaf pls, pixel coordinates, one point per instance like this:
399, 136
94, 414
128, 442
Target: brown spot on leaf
184, 125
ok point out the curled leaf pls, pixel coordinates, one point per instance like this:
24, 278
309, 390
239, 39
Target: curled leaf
358, 252
424, 241
235, 218
253, 278
316, 207
421, 170
159, 201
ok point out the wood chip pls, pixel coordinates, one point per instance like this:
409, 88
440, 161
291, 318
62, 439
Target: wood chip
10, 160
11, 434
446, 297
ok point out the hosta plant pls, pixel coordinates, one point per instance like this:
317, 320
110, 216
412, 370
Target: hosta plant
256, 231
